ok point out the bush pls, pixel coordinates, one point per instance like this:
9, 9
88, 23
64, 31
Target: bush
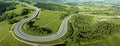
64, 15
11, 7
25, 11
12, 21
37, 29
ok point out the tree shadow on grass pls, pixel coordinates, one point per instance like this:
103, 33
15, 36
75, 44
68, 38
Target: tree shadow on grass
47, 30
38, 29
60, 45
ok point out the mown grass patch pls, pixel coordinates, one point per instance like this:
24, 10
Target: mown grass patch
46, 19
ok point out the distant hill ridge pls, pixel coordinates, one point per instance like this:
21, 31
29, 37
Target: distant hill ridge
70, 1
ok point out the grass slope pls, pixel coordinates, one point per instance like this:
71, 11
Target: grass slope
9, 39
46, 19
4, 28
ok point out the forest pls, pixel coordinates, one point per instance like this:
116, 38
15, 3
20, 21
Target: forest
50, 6
3, 6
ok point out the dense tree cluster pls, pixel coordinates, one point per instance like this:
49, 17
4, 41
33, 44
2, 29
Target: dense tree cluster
7, 7
37, 29
12, 21
104, 12
73, 10
3, 6
11, 7
9, 15
50, 6
85, 30
25, 11
64, 15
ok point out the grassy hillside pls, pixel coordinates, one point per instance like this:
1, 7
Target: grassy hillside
88, 30
103, 9
82, 30
47, 19
6, 38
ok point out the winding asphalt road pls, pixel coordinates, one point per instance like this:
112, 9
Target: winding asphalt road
60, 33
